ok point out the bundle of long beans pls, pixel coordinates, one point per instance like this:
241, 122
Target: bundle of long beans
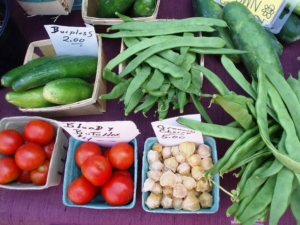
266, 139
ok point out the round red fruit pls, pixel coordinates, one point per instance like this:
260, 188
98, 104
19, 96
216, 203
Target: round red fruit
39, 131
10, 141
86, 150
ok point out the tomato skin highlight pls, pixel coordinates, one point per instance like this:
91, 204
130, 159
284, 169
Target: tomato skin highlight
30, 156
97, 169
39, 175
121, 156
85, 150
39, 131
118, 190
9, 171
81, 191
10, 141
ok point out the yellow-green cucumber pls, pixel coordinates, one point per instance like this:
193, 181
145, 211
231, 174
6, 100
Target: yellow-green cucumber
243, 26
83, 67
32, 98
67, 90
11, 76
211, 9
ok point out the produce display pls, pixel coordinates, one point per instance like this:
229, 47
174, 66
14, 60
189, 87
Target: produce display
160, 68
26, 157
175, 177
134, 8
51, 80
103, 172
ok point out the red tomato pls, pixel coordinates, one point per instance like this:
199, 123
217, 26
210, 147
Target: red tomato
10, 141
39, 176
24, 177
81, 191
97, 169
105, 153
121, 156
122, 172
85, 150
30, 156
39, 131
9, 171
118, 190
48, 148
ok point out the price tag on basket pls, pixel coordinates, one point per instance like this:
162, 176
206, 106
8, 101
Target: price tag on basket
169, 132
73, 40
105, 133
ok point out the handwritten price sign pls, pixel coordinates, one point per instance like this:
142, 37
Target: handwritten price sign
73, 40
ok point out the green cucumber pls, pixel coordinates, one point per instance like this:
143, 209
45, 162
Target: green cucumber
67, 90
290, 32
108, 8
143, 8
32, 98
243, 26
211, 9
83, 67
296, 9
277, 45
14, 74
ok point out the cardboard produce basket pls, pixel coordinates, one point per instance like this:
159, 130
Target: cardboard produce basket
89, 11
57, 161
90, 106
50, 7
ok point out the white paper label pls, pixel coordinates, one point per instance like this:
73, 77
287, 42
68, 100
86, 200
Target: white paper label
104, 133
170, 133
73, 40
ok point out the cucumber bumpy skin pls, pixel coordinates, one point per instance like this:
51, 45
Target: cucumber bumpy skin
243, 27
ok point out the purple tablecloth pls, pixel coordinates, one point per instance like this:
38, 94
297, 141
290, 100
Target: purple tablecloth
46, 207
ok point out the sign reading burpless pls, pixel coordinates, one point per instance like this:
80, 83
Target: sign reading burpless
73, 40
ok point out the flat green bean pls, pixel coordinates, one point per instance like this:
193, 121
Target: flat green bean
262, 121
282, 194
149, 101
117, 91
238, 76
260, 201
213, 79
179, 82
232, 209
214, 130
176, 42
158, 32
155, 81
134, 101
196, 78
200, 108
237, 111
183, 50
295, 86
137, 82
219, 51
124, 17
181, 99
257, 216
295, 205
139, 25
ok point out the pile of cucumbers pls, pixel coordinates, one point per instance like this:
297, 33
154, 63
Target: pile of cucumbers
133, 8
51, 80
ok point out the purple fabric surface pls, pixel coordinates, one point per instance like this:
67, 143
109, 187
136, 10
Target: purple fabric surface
46, 207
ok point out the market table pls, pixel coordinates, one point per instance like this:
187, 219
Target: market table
46, 206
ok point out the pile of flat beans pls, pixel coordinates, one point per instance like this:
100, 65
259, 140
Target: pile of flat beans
158, 61
266, 143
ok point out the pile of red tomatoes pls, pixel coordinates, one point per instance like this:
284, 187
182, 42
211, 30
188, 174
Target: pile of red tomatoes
103, 172
26, 157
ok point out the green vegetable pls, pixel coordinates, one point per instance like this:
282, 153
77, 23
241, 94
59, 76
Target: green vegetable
67, 90
108, 8
32, 98
84, 67
211, 9
290, 32
14, 74
143, 8
242, 25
